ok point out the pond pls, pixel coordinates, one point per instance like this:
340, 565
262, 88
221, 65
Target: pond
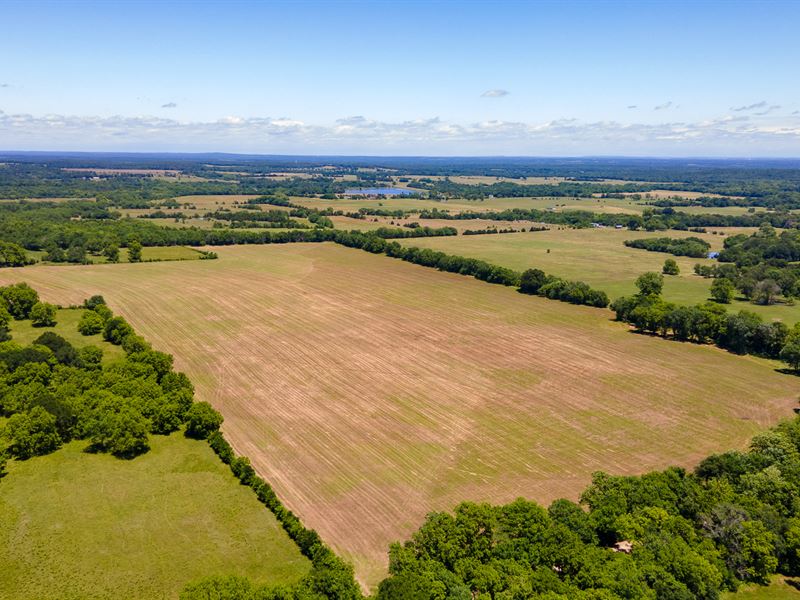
379, 191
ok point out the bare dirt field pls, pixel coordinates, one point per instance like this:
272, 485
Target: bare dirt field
370, 391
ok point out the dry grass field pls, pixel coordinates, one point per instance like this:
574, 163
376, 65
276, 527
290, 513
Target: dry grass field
370, 391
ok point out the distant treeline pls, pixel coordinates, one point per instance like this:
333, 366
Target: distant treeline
688, 246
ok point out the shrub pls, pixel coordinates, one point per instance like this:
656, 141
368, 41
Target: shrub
670, 267
32, 433
90, 323
116, 330
202, 420
43, 314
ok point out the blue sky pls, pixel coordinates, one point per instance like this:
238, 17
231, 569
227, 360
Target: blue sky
382, 77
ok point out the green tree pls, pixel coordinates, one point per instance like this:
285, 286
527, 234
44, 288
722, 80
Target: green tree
93, 302
790, 353
43, 315
12, 255
532, 280
116, 330
111, 252
91, 357
117, 427
90, 323
722, 290
650, 284
202, 420
135, 251
670, 267
32, 433
757, 560
77, 254
19, 299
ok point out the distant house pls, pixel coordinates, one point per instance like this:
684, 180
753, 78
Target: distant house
713, 255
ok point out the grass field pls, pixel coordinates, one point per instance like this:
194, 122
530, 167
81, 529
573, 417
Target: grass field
66, 326
107, 528
599, 257
781, 588
370, 391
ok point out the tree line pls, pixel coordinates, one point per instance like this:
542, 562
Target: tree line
743, 332
549, 286
689, 246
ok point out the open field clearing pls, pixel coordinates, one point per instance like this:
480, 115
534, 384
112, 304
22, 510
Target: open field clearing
215, 201
781, 588
157, 522
662, 194
371, 223
66, 326
459, 204
369, 391
599, 257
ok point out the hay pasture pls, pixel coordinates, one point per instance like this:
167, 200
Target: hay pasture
599, 257
369, 391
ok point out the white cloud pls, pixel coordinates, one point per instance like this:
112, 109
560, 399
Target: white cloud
748, 107
729, 135
632, 106
169, 105
494, 93
664, 106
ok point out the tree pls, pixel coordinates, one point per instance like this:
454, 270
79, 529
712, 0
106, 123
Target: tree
77, 254
790, 353
118, 428
93, 302
670, 267
116, 330
91, 357
766, 291
32, 433
650, 284
63, 351
13, 255
532, 280
5, 320
722, 290
202, 420
135, 251
43, 315
111, 252
3, 463
19, 299
90, 323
